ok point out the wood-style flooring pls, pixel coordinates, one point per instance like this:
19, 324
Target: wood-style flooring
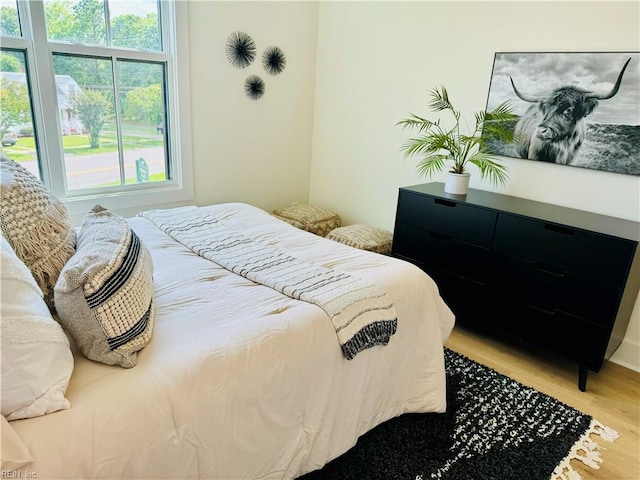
612, 396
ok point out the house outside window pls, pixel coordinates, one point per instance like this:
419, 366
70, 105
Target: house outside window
95, 95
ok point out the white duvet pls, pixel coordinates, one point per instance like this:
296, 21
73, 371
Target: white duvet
240, 381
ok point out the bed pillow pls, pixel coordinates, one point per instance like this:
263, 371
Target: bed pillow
36, 359
36, 224
104, 295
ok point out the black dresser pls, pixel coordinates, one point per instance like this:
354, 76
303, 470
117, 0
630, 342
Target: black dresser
559, 278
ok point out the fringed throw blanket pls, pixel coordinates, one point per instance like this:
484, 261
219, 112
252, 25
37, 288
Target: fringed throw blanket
362, 313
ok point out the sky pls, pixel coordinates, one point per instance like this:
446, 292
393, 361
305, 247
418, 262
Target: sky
139, 8
118, 7
538, 74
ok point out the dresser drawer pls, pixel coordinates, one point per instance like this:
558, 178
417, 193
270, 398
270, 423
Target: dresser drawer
447, 217
583, 342
592, 255
471, 302
557, 290
434, 251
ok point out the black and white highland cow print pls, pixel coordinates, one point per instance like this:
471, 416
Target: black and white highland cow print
578, 109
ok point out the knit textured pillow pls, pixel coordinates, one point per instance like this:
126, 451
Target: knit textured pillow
104, 295
36, 224
311, 218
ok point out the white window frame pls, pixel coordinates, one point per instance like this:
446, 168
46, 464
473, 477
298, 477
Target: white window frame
132, 198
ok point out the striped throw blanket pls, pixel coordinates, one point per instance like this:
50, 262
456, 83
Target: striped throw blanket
362, 313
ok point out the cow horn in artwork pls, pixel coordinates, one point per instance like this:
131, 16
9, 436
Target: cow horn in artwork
616, 87
612, 93
521, 96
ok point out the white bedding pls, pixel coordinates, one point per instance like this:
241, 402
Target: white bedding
240, 381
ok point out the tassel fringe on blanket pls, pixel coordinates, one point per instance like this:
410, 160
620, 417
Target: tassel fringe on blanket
362, 313
585, 450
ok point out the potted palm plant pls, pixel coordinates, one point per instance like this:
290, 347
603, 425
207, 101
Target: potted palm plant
437, 145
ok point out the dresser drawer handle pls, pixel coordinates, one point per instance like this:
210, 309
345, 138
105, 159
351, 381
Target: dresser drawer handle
440, 236
473, 280
555, 271
559, 229
543, 310
445, 203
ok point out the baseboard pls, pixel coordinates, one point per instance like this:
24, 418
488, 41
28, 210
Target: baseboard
627, 355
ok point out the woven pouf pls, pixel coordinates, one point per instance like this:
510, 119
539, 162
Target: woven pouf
363, 237
310, 218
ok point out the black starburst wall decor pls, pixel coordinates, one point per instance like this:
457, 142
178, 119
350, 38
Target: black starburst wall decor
273, 60
240, 49
254, 87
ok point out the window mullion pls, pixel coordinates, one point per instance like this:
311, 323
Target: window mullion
116, 104
95, 50
14, 42
44, 91
175, 96
107, 23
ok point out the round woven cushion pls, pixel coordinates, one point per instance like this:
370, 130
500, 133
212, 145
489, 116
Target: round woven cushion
363, 237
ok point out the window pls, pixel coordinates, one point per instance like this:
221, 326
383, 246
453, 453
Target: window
91, 99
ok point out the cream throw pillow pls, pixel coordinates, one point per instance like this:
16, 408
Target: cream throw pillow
36, 359
36, 224
104, 296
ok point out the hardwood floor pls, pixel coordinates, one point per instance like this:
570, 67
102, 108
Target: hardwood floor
612, 396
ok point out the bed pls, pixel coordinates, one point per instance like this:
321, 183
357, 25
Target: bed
237, 379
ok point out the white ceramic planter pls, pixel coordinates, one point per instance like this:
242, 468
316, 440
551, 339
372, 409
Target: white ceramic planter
457, 183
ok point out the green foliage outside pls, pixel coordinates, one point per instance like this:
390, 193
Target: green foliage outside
89, 22
154, 177
79, 144
144, 104
15, 104
84, 21
9, 63
94, 110
9, 22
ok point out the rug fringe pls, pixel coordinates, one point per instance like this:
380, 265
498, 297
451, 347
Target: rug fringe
586, 450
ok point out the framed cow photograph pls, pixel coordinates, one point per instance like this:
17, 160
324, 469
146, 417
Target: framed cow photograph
576, 109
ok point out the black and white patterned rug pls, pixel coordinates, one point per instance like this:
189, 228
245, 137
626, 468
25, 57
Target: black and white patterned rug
494, 428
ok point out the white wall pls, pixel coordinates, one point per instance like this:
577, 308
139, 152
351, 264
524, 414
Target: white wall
257, 152
324, 131
376, 61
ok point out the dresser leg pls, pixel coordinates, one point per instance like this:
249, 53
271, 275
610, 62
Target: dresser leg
583, 373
